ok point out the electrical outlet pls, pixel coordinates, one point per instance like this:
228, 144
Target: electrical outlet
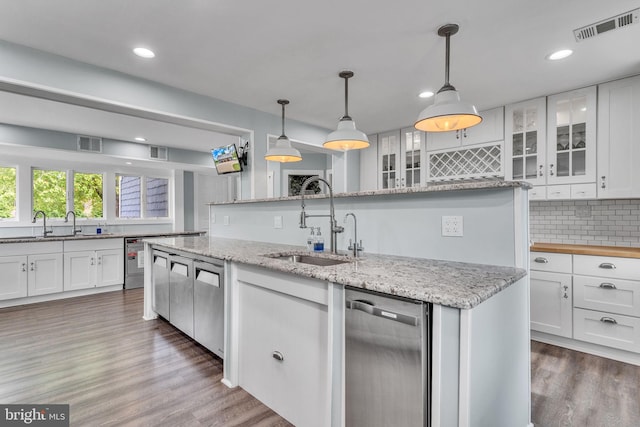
226, 220
452, 226
277, 221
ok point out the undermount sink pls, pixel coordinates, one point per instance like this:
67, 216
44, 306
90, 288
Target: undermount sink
310, 259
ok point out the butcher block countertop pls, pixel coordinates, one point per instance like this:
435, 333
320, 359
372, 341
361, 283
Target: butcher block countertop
616, 251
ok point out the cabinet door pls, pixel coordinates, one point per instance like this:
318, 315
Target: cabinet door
524, 147
571, 137
551, 303
79, 270
45, 274
443, 140
13, 271
618, 137
109, 267
389, 160
411, 158
181, 294
161, 283
490, 129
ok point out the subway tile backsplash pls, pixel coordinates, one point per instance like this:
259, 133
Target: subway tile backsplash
586, 222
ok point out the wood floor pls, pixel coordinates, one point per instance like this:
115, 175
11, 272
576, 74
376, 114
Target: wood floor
115, 369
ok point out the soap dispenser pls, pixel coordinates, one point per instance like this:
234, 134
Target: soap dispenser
318, 245
311, 240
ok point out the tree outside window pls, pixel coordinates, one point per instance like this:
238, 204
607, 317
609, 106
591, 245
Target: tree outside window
50, 192
87, 195
7, 192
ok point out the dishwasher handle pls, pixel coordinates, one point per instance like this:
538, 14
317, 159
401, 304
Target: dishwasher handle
369, 308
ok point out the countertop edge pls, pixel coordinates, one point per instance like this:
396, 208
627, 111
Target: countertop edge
613, 251
41, 239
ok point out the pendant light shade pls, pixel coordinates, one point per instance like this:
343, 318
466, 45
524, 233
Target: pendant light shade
448, 112
283, 151
346, 137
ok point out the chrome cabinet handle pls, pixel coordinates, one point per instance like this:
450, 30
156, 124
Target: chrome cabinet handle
541, 173
278, 356
541, 260
92, 261
608, 320
607, 266
565, 293
603, 184
606, 285
551, 169
458, 134
99, 260
464, 132
32, 266
24, 266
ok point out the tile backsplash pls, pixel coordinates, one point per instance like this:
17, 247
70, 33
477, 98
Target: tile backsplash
586, 222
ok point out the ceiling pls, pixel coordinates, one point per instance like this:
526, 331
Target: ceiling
252, 53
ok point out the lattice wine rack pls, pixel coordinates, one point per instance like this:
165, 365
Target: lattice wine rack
467, 163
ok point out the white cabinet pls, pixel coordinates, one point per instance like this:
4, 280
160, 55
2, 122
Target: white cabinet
525, 142
30, 269
90, 264
490, 129
283, 346
551, 293
619, 139
45, 274
13, 270
400, 159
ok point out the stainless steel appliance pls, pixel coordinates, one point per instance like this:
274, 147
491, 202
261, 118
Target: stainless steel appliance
161, 283
181, 293
208, 297
133, 263
387, 360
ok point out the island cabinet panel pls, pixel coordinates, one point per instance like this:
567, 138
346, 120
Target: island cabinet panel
283, 352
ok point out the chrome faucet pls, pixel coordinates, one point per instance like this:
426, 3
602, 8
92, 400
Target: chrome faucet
354, 246
66, 219
335, 228
44, 222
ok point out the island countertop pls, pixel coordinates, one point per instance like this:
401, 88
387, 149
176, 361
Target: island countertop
453, 284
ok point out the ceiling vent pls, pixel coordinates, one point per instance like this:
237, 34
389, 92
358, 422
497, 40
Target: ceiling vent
91, 144
157, 153
613, 23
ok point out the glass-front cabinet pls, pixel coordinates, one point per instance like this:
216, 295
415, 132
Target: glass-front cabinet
571, 137
400, 159
525, 149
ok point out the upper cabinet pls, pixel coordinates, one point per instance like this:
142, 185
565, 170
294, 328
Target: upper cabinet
490, 129
571, 137
400, 159
619, 139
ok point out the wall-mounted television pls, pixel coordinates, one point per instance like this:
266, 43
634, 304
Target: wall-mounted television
226, 159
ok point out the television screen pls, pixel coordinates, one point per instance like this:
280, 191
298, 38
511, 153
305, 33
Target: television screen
226, 159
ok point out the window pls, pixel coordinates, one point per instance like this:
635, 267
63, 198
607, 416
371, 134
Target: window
128, 196
50, 192
7, 192
157, 198
133, 191
87, 195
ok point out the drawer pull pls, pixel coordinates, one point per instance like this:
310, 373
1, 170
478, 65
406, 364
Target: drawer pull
608, 286
608, 320
278, 356
607, 266
541, 260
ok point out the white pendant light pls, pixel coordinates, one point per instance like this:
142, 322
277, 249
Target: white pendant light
282, 151
447, 113
346, 137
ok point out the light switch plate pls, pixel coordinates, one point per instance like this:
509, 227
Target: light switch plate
277, 221
452, 226
226, 220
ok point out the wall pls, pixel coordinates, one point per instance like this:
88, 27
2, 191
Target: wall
592, 222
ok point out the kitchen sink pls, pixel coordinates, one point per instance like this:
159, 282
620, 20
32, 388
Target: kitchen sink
310, 259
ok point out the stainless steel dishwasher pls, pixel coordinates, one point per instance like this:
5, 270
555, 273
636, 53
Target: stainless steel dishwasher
387, 361
208, 301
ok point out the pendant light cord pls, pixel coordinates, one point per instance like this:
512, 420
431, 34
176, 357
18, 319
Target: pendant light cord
446, 61
447, 31
283, 119
346, 98
283, 102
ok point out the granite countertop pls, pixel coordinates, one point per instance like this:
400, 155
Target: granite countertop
452, 284
431, 187
30, 239
616, 251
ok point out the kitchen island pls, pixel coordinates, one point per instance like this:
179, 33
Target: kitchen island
478, 286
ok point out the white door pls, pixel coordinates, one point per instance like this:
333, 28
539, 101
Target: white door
45, 274
389, 160
524, 145
412, 157
13, 274
79, 270
110, 267
551, 303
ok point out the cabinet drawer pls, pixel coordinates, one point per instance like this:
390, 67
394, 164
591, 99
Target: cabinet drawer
612, 330
604, 294
538, 193
602, 266
547, 261
558, 192
583, 191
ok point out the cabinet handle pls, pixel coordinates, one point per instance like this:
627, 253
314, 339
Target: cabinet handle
608, 320
565, 293
541, 173
551, 169
464, 132
278, 356
541, 260
99, 260
24, 266
32, 266
458, 134
607, 266
92, 261
608, 286
603, 184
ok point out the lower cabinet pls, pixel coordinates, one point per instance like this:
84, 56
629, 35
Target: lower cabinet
181, 294
13, 270
91, 264
160, 288
611, 330
283, 349
551, 303
31, 269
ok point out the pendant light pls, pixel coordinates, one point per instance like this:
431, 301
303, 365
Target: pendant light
447, 112
346, 137
282, 151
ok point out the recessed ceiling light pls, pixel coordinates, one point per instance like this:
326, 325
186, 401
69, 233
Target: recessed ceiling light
560, 54
128, 163
425, 94
143, 52
141, 139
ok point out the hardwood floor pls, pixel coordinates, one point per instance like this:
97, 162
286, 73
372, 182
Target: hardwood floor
574, 389
115, 369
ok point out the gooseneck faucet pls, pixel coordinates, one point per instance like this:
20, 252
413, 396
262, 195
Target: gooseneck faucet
335, 228
44, 222
66, 219
354, 246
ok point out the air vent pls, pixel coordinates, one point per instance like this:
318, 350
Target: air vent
92, 144
157, 153
613, 23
